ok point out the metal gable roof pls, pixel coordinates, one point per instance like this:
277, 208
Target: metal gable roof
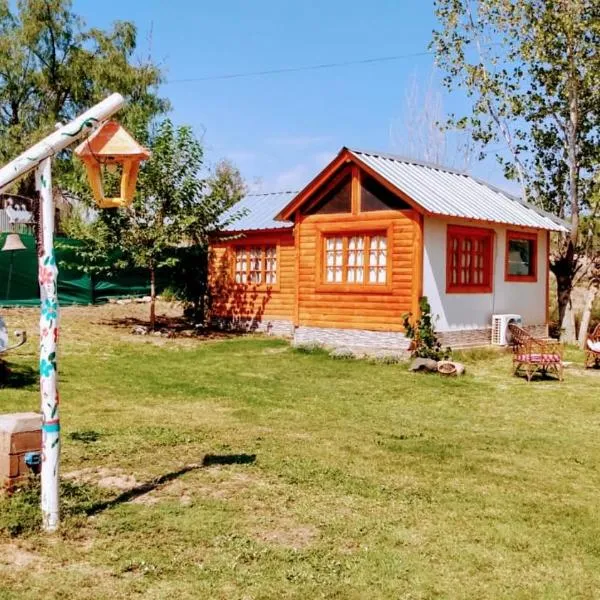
450, 193
258, 212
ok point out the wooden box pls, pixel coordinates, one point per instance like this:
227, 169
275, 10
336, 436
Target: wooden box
20, 434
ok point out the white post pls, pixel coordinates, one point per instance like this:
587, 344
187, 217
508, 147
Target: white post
60, 139
48, 279
39, 157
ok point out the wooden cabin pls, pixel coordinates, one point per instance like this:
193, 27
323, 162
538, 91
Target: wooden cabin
341, 262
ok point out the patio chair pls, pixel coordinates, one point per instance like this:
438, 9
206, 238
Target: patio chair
531, 354
592, 348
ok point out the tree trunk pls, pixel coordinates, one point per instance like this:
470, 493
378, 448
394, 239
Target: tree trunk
572, 130
152, 298
564, 267
587, 315
568, 334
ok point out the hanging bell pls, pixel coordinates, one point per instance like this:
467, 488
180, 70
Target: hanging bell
13, 242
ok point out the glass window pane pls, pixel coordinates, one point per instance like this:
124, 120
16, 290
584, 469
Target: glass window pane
520, 254
337, 200
374, 196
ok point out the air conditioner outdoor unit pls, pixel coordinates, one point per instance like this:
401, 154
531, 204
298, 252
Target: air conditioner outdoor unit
500, 333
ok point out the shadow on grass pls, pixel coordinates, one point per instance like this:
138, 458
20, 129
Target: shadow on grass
139, 490
172, 327
17, 376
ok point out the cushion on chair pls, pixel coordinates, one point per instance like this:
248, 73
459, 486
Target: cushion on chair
539, 358
594, 346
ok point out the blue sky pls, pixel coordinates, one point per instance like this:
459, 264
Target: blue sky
281, 129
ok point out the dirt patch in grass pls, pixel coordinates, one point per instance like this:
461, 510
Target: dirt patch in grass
112, 479
287, 534
296, 537
175, 490
14, 556
217, 484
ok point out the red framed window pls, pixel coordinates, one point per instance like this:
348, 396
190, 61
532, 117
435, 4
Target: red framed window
469, 264
521, 256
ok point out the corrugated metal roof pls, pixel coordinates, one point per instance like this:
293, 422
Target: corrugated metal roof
450, 193
258, 212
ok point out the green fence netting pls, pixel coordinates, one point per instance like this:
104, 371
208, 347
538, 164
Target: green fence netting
19, 286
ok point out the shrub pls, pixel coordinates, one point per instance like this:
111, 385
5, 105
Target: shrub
387, 358
342, 353
309, 348
422, 333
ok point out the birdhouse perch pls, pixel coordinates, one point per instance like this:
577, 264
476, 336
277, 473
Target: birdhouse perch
112, 145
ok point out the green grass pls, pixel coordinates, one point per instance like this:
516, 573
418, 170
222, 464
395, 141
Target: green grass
368, 481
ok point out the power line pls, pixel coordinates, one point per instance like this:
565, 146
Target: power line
333, 65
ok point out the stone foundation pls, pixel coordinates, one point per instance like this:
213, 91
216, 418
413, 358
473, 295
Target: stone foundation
360, 341
276, 327
473, 338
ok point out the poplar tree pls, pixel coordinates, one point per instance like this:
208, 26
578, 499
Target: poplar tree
530, 72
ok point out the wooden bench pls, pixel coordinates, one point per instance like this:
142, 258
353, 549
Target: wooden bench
532, 354
592, 348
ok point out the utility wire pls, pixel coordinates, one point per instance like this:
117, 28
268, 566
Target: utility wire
333, 65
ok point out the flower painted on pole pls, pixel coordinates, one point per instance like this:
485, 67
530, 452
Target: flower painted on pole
49, 309
46, 276
48, 366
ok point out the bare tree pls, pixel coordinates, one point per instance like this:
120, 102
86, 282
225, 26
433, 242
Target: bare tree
421, 133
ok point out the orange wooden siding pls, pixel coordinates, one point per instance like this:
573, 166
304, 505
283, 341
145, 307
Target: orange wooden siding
373, 308
248, 301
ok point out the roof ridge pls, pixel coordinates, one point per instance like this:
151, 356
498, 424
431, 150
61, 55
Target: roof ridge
259, 194
489, 186
438, 167
412, 161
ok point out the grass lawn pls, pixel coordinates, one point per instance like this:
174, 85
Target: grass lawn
274, 473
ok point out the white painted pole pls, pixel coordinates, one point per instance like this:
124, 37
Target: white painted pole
48, 279
59, 140
39, 157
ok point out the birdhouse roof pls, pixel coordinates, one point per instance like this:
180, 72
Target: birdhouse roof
111, 140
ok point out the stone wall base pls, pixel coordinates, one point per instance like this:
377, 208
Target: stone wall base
473, 338
359, 341
276, 327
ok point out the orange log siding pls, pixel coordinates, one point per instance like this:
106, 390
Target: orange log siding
248, 301
348, 307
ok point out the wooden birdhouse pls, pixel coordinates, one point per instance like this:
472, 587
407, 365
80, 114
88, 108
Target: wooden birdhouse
108, 147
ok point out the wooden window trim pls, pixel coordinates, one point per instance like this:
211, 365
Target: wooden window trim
346, 231
521, 235
344, 173
488, 265
263, 286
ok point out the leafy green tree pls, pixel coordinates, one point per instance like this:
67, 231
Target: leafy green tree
531, 71
53, 67
168, 225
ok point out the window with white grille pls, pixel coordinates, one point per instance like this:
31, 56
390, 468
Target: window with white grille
256, 265
356, 259
377, 259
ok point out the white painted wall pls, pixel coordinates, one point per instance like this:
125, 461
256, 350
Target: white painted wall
474, 311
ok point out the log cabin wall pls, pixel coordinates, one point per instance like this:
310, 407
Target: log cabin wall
334, 291
254, 296
353, 306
